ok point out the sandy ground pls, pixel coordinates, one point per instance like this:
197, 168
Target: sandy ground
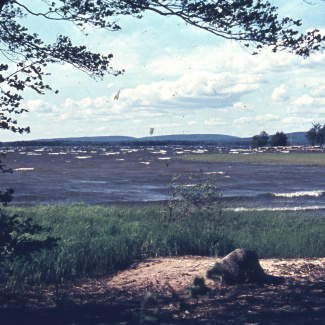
119, 298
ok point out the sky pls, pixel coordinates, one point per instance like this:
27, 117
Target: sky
178, 80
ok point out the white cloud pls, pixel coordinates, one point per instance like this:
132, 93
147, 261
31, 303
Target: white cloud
101, 102
267, 117
101, 129
64, 117
304, 100
259, 118
229, 57
294, 120
279, 94
308, 104
318, 91
192, 123
167, 125
240, 106
144, 114
215, 121
244, 120
193, 90
39, 106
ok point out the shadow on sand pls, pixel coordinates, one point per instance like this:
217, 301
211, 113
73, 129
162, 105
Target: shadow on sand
291, 303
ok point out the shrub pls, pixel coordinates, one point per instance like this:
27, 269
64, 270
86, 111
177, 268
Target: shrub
196, 196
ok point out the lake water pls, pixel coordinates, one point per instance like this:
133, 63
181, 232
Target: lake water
103, 175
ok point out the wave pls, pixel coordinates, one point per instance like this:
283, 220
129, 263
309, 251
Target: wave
109, 153
33, 154
23, 169
314, 193
83, 157
306, 208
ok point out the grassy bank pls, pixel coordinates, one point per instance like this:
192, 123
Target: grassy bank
275, 158
96, 240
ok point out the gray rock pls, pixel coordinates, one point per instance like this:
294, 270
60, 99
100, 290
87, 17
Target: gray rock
242, 266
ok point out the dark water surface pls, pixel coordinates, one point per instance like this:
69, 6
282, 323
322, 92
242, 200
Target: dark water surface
117, 174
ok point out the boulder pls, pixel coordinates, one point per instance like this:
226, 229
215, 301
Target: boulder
242, 266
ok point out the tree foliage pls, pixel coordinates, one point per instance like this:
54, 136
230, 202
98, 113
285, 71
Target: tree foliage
260, 140
278, 139
316, 135
253, 23
20, 236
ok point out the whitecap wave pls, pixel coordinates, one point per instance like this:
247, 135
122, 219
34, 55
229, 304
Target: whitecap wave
199, 151
33, 154
110, 153
242, 209
300, 194
23, 169
163, 152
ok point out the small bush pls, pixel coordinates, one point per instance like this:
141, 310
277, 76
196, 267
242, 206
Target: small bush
194, 199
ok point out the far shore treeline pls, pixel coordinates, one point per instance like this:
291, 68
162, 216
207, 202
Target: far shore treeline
62, 143
295, 138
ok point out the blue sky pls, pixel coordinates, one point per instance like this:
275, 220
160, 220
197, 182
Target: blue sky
178, 80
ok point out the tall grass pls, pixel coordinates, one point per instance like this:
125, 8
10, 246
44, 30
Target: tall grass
96, 240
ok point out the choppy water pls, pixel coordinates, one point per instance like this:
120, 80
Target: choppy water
118, 174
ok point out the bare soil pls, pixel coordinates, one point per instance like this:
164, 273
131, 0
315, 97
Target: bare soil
119, 298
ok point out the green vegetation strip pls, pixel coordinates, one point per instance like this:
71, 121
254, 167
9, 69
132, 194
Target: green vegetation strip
96, 240
305, 159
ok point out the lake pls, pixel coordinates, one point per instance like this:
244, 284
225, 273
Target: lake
108, 174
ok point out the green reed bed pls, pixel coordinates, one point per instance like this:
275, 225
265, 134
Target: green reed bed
274, 158
96, 240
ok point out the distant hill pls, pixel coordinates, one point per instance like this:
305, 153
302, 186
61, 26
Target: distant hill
113, 138
220, 139
175, 137
192, 137
295, 138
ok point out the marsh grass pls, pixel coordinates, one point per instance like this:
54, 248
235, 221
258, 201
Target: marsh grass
96, 239
274, 158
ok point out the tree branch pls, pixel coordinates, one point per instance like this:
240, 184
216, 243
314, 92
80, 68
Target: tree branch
36, 14
2, 3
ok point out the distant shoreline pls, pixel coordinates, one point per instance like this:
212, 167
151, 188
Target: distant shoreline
296, 138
